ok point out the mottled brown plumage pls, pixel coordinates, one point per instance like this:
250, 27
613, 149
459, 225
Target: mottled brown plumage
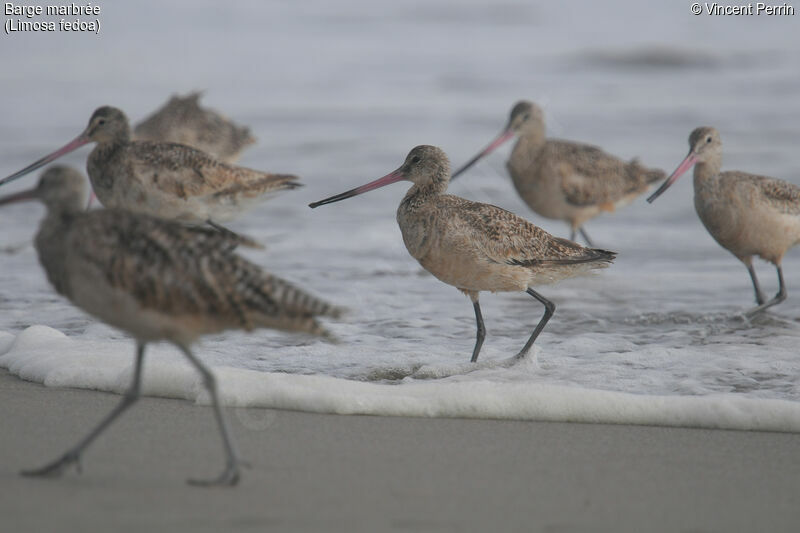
159, 281
183, 120
748, 215
162, 179
473, 246
564, 180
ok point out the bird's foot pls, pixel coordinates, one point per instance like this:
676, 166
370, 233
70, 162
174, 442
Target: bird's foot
57, 467
522, 355
229, 477
754, 311
781, 296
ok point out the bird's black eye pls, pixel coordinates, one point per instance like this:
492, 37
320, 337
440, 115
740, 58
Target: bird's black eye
101, 122
415, 159
708, 139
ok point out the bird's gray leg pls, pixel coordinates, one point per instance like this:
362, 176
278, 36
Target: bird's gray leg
779, 297
230, 476
73, 455
549, 309
756, 287
782, 292
586, 237
481, 331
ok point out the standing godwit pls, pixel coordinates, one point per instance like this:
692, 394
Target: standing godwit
157, 280
162, 179
746, 214
564, 180
473, 246
182, 120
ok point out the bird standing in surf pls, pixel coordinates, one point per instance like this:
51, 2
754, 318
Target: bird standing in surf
564, 180
162, 179
477, 247
158, 281
746, 214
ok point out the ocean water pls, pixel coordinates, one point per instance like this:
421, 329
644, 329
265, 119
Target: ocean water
338, 94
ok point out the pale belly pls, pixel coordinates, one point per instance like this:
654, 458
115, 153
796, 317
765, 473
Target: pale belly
542, 191
746, 231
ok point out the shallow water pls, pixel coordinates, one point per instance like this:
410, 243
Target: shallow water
338, 93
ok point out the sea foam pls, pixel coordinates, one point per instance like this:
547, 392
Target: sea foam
45, 355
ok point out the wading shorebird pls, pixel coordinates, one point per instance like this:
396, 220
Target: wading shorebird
473, 246
163, 179
182, 120
564, 180
159, 281
746, 214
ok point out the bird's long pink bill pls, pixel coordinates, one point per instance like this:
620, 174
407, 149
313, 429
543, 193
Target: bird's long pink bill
503, 137
77, 142
685, 165
388, 179
22, 196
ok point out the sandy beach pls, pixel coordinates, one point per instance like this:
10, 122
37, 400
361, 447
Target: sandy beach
347, 473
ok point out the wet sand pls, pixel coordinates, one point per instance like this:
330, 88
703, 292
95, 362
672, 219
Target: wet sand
315, 472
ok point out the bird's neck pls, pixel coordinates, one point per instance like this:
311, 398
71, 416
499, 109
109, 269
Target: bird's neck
122, 136
418, 194
529, 142
51, 246
707, 170
105, 148
532, 135
101, 166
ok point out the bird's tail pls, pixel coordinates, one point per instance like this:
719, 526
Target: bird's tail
597, 257
258, 185
601, 258
643, 173
287, 307
281, 182
654, 175
242, 136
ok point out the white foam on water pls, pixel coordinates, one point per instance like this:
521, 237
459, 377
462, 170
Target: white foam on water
45, 355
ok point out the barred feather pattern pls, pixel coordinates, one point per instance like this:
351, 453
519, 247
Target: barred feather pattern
189, 278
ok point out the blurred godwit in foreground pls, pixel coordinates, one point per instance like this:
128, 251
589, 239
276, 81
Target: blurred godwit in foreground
564, 180
477, 247
163, 179
746, 214
182, 120
157, 280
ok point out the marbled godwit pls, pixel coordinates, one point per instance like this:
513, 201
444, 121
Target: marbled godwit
746, 214
473, 246
157, 280
182, 120
162, 179
564, 180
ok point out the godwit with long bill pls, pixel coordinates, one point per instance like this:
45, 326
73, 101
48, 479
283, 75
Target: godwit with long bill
159, 281
162, 179
473, 246
746, 214
564, 180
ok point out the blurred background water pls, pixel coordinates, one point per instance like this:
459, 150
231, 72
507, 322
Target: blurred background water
339, 92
